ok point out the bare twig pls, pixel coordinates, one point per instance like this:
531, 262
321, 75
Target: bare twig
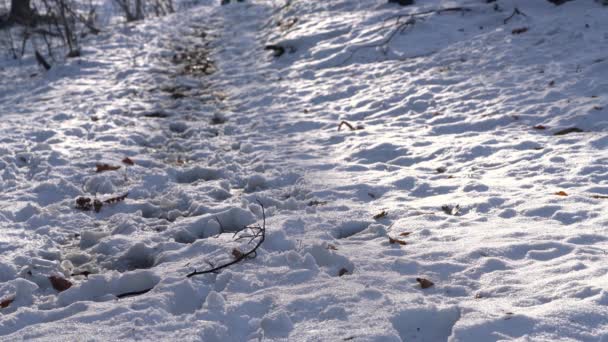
516, 11
349, 125
133, 293
256, 232
400, 27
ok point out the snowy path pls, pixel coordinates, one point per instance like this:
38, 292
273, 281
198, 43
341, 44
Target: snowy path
452, 128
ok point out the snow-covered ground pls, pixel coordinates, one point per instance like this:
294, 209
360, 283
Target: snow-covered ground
454, 175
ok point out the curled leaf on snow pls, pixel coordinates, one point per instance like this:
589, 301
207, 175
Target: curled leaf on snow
561, 193
236, 253
128, 161
396, 241
405, 234
4, 303
599, 196
568, 131
424, 283
106, 167
540, 127
451, 210
342, 272
332, 247
381, 214
60, 284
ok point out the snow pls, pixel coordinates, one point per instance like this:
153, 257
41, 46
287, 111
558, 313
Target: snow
444, 116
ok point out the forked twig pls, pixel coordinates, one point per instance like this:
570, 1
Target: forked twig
256, 232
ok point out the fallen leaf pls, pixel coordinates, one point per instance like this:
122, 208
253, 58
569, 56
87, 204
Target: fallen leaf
332, 247
237, 254
128, 161
451, 210
540, 127
405, 234
106, 167
6, 301
599, 196
380, 215
393, 241
441, 169
561, 193
60, 284
424, 283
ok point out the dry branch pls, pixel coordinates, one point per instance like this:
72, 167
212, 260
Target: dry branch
256, 231
400, 27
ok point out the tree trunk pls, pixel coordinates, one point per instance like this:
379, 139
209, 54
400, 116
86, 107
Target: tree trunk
21, 11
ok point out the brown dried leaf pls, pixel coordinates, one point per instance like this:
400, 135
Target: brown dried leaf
561, 193
599, 196
393, 241
540, 127
128, 161
381, 214
236, 253
424, 283
4, 303
405, 234
106, 167
60, 284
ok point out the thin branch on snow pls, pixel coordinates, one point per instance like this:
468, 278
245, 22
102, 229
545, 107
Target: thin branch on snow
256, 232
400, 27
516, 11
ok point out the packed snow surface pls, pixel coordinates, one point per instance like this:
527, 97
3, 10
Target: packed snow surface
452, 173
